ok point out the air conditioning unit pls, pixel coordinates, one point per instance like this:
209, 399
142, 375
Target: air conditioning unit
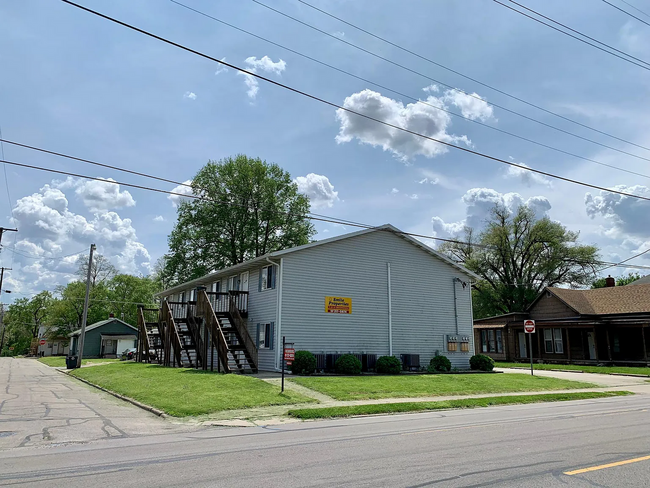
410, 362
368, 362
321, 361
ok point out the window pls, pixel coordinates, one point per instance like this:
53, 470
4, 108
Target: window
216, 287
233, 283
559, 346
491, 341
548, 341
265, 335
267, 278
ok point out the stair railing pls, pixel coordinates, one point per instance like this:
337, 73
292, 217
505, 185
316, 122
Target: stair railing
174, 340
240, 324
205, 310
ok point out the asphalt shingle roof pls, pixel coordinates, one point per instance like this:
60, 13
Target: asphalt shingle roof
605, 301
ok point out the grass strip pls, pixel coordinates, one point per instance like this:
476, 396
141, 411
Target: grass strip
59, 361
183, 392
636, 370
427, 385
387, 408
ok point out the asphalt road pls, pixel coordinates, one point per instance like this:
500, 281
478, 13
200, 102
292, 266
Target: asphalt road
527, 445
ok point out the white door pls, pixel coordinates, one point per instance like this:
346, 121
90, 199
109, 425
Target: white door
243, 281
522, 345
592, 345
55, 349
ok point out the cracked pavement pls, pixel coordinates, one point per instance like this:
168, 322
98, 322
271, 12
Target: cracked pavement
41, 407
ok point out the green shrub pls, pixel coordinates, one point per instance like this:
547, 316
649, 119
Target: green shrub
304, 363
348, 364
389, 365
439, 364
481, 362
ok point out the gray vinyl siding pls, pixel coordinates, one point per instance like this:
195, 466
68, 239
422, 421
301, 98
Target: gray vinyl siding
262, 308
422, 299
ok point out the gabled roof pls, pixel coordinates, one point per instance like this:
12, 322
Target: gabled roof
605, 301
209, 278
101, 323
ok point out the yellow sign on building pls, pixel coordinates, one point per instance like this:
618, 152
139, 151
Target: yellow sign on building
338, 305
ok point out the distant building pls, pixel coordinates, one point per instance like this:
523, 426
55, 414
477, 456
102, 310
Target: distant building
54, 346
106, 339
604, 325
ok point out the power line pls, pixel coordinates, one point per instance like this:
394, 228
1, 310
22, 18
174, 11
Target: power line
491, 87
626, 260
196, 197
410, 97
568, 34
628, 13
580, 33
467, 93
11, 207
34, 256
332, 104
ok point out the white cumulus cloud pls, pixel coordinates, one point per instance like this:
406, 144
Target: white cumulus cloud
221, 68
471, 105
180, 190
627, 216
417, 117
159, 218
190, 95
318, 188
97, 195
479, 202
266, 65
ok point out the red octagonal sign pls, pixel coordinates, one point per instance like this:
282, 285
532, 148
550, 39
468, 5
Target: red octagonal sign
529, 326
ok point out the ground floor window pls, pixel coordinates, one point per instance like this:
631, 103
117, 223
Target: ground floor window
553, 342
265, 334
492, 340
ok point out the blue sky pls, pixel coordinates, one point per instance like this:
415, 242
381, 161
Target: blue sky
75, 83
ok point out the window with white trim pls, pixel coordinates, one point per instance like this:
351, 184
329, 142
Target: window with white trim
267, 278
233, 283
265, 335
557, 336
553, 342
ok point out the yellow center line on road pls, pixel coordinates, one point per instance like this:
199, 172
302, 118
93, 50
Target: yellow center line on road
604, 466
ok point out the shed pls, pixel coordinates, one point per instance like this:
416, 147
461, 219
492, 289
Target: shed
105, 339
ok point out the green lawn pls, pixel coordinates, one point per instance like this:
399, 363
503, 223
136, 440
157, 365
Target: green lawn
183, 392
575, 367
59, 361
409, 386
383, 408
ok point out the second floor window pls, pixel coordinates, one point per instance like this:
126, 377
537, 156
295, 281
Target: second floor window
267, 278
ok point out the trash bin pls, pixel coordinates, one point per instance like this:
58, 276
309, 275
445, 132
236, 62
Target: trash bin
71, 362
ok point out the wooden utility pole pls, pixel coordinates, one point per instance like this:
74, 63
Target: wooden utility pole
3, 229
2, 310
85, 314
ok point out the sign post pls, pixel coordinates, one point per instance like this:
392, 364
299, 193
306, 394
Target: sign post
529, 328
288, 355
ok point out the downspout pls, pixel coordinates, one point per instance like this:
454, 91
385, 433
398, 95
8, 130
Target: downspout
390, 314
278, 313
456, 279
471, 315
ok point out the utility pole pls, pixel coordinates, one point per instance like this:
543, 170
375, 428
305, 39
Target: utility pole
2, 309
85, 315
3, 229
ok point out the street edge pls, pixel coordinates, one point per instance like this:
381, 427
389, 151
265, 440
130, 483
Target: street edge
138, 404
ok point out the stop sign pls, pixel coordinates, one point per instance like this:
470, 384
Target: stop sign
42, 342
529, 326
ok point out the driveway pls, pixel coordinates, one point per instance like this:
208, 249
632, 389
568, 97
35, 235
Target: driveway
40, 406
635, 384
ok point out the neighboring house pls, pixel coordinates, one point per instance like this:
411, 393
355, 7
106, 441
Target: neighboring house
105, 339
604, 325
55, 346
374, 292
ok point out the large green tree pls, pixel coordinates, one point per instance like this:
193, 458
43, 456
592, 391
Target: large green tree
250, 208
517, 255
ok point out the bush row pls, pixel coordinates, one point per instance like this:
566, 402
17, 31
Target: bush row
305, 364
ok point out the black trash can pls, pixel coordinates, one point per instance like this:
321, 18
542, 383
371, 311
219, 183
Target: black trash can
71, 362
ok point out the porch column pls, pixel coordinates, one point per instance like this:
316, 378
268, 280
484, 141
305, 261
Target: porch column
538, 333
568, 345
609, 345
645, 349
595, 343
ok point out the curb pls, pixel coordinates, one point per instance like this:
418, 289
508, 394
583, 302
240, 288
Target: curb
138, 404
633, 375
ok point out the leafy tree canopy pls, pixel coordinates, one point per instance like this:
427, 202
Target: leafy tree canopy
254, 208
620, 281
517, 256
